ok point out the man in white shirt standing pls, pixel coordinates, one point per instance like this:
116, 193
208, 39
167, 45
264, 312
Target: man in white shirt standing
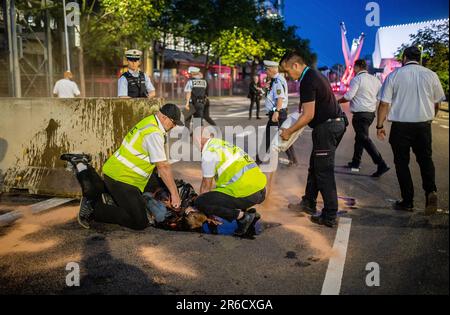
363, 92
66, 88
413, 94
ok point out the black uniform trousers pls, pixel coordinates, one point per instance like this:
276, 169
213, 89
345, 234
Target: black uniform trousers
255, 99
326, 138
270, 137
418, 137
200, 110
225, 206
361, 122
130, 209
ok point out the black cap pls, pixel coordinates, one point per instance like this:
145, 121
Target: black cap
173, 112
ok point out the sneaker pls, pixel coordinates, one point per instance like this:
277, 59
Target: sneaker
321, 220
304, 206
85, 213
431, 204
403, 206
382, 168
353, 167
244, 223
74, 159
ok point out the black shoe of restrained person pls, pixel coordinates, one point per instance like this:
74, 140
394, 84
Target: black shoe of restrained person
244, 223
74, 159
403, 206
382, 168
323, 220
304, 206
85, 215
108, 200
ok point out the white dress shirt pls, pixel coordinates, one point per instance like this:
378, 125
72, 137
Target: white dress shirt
154, 144
412, 91
363, 92
279, 90
66, 88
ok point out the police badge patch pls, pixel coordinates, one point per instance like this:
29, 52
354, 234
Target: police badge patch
278, 92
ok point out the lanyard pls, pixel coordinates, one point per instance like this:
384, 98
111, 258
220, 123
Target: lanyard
303, 74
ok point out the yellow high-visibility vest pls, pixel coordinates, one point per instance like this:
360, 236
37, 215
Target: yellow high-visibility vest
130, 164
236, 174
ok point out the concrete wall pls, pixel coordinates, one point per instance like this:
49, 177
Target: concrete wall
34, 132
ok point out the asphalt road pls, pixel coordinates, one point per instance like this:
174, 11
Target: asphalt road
292, 256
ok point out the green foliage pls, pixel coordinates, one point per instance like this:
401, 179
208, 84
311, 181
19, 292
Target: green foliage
110, 26
238, 46
435, 43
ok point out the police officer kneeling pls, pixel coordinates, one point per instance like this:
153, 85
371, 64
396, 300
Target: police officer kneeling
240, 184
321, 112
128, 173
135, 83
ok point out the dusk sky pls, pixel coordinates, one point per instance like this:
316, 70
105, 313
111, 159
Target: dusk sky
319, 21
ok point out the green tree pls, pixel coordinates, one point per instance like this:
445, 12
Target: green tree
435, 43
209, 18
280, 35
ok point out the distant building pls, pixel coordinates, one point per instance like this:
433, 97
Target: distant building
270, 8
390, 38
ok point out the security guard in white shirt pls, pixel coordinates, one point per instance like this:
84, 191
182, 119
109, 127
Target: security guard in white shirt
363, 92
410, 99
135, 83
276, 104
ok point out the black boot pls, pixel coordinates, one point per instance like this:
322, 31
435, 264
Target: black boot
324, 220
244, 223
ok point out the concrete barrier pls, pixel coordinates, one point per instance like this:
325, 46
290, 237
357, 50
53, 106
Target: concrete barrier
34, 132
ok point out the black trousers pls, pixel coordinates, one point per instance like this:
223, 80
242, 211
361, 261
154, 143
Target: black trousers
225, 206
417, 136
254, 100
326, 138
130, 211
270, 137
361, 123
200, 110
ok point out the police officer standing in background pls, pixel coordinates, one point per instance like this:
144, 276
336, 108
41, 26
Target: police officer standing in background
197, 103
276, 106
324, 115
410, 99
135, 83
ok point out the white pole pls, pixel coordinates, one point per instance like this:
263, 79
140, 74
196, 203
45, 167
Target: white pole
220, 78
66, 36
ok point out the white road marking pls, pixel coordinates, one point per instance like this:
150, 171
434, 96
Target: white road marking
48, 204
335, 271
11, 217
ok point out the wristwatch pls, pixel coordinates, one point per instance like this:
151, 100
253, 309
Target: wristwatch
382, 127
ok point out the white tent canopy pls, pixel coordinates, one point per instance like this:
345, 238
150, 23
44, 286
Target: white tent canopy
390, 38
